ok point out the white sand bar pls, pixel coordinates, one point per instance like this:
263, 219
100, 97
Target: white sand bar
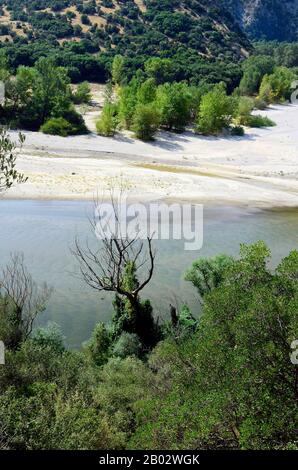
259, 169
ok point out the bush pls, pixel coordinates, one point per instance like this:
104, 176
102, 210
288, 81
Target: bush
76, 120
50, 336
82, 94
99, 344
57, 126
245, 107
108, 121
259, 121
146, 121
260, 104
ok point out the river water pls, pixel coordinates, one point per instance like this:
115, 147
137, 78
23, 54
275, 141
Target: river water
45, 230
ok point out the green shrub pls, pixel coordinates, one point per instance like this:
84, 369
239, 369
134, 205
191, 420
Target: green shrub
108, 121
259, 121
146, 121
127, 345
76, 120
99, 344
82, 94
244, 109
49, 336
260, 104
57, 126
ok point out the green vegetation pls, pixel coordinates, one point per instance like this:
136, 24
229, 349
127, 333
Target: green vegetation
217, 381
146, 121
217, 111
145, 104
161, 29
8, 155
254, 69
82, 95
278, 86
40, 94
108, 121
259, 121
57, 126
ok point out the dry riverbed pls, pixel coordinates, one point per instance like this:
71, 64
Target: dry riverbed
259, 169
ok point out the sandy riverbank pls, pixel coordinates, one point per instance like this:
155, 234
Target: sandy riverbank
259, 169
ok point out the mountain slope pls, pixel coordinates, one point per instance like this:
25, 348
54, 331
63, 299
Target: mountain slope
267, 19
141, 27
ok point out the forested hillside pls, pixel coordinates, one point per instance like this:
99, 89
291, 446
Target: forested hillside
194, 33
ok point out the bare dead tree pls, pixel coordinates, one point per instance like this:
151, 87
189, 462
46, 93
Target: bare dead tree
24, 299
103, 268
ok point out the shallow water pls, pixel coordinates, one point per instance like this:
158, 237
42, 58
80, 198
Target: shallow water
45, 231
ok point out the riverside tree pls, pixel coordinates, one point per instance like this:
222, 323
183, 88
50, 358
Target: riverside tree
123, 265
146, 121
217, 111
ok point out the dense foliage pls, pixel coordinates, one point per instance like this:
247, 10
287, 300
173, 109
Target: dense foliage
85, 36
224, 380
40, 97
147, 103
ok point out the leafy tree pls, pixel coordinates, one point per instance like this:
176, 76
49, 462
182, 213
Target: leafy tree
127, 103
51, 94
118, 70
255, 67
216, 111
108, 121
146, 93
277, 87
146, 121
161, 70
207, 273
244, 109
134, 316
174, 103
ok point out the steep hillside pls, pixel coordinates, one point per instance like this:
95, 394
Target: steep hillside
267, 19
141, 26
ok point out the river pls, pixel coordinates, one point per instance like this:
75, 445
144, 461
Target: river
45, 230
